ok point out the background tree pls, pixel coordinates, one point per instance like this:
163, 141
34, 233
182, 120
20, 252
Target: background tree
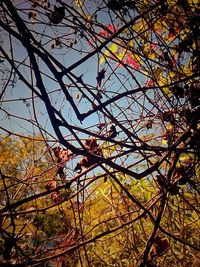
100, 107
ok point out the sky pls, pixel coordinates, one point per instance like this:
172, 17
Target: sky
17, 99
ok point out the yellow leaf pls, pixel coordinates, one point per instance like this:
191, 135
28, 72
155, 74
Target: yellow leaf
152, 55
164, 142
131, 44
146, 73
161, 82
187, 70
121, 55
141, 25
157, 72
20, 226
169, 127
78, 3
171, 75
138, 58
193, 2
104, 56
113, 48
102, 59
185, 157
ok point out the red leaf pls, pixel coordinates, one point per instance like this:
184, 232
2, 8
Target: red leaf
131, 61
150, 83
109, 30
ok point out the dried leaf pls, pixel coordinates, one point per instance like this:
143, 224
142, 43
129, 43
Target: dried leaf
94, 105
57, 42
62, 155
115, 5
82, 164
112, 133
51, 185
92, 147
32, 14
160, 247
149, 124
168, 117
99, 96
57, 15
35, 3
178, 91
56, 197
105, 178
100, 76
101, 125
68, 241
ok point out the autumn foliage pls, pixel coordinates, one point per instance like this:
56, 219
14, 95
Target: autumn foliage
100, 133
